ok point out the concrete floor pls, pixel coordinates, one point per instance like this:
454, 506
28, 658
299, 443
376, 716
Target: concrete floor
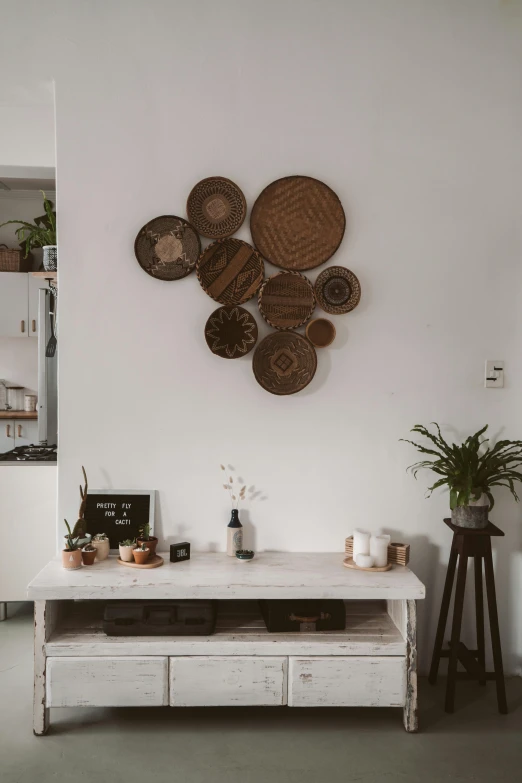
271, 745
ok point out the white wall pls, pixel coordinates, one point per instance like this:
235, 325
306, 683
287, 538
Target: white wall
412, 113
26, 106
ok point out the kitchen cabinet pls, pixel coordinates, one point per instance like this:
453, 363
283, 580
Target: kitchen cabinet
7, 435
25, 433
19, 304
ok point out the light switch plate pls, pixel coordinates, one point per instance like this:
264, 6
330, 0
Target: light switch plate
494, 375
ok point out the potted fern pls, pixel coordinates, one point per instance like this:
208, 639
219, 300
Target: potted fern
40, 233
469, 470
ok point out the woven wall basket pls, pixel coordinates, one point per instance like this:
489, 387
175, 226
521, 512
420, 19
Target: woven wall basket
231, 332
297, 223
230, 271
286, 300
337, 290
216, 207
284, 363
167, 247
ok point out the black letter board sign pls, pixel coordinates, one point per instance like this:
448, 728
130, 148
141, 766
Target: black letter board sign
119, 513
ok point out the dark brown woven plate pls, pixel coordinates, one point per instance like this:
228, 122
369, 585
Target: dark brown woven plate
167, 247
216, 207
337, 290
230, 271
286, 300
231, 332
297, 223
284, 363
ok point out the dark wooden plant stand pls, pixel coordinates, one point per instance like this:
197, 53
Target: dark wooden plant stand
477, 544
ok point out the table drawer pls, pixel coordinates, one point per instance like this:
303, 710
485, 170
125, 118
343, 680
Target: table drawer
347, 682
107, 682
227, 681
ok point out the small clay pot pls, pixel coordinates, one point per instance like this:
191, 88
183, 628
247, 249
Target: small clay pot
126, 553
141, 555
102, 548
88, 557
320, 332
71, 560
151, 543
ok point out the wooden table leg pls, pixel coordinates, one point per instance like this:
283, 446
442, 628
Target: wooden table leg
40, 711
455, 632
443, 616
495, 632
479, 614
410, 715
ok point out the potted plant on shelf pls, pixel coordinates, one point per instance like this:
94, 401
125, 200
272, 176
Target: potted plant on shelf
88, 554
141, 554
469, 470
101, 543
71, 555
126, 548
40, 233
79, 530
145, 537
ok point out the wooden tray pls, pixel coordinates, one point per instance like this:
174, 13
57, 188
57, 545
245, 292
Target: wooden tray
153, 562
231, 332
286, 300
320, 332
230, 271
167, 247
337, 290
284, 363
350, 563
216, 207
297, 223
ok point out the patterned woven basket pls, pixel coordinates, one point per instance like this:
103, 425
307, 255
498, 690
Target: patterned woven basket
398, 554
11, 260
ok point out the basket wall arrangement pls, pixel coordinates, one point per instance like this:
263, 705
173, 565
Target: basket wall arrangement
167, 247
230, 271
286, 300
216, 207
284, 363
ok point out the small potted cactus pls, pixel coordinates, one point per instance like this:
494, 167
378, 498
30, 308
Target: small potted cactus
101, 543
126, 549
71, 555
145, 537
88, 554
141, 554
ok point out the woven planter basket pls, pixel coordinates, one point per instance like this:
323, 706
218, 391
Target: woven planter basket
11, 260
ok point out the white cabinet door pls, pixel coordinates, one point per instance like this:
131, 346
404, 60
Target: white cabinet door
35, 283
26, 432
14, 304
7, 435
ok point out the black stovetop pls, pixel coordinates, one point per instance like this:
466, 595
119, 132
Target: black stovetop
30, 454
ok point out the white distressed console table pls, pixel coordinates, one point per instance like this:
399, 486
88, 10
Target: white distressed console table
372, 663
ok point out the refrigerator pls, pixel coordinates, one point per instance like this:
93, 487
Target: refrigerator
47, 373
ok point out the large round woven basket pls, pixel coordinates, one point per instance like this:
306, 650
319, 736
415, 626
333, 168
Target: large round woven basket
230, 271
297, 223
286, 300
216, 207
284, 363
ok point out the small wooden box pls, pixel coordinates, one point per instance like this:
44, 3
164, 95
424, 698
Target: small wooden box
398, 554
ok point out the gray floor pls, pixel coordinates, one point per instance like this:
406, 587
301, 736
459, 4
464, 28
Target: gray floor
251, 745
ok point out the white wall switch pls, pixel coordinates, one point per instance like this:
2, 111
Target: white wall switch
494, 376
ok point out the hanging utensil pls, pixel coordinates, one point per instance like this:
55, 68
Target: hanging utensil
51, 345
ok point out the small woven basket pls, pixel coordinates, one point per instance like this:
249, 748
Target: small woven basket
398, 554
11, 260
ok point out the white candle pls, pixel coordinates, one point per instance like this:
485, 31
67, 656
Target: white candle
364, 561
379, 550
361, 543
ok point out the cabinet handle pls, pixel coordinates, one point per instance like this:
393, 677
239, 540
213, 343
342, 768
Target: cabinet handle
34, 325
22, 326
19, 430
8, 430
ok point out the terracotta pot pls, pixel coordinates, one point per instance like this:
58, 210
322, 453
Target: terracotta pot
151, 543
141, 556
71, 560
102, 549
126, 553
88, 557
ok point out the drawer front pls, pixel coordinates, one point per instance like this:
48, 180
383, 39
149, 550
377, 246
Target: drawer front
227, 681
347, 682
107, 682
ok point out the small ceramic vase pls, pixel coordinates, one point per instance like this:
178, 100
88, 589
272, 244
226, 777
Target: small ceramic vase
88, 556
151, 543
126, 553
141, 555
102, 548
71, 560
234, 534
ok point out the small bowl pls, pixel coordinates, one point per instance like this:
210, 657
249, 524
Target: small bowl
321, 332
244, 555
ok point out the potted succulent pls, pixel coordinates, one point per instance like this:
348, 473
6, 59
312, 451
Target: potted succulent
126, 548
88, 554
101, 543
40, 233
141, 554
79, 530
469, 470
71, 555
146, 538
